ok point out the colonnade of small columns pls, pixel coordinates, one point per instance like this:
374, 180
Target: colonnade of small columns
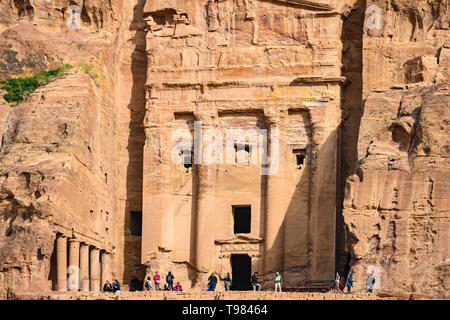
83, 268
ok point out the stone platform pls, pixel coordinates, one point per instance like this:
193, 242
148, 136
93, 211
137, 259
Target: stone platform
237, 295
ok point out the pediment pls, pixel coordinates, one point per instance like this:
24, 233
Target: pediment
239, 239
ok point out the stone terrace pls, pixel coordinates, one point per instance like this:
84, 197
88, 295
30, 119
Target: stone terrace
196, 295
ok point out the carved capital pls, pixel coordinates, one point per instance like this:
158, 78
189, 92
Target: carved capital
204, 96
272, 121
251, 8
151, 104
207, 119
152, 90
213, 20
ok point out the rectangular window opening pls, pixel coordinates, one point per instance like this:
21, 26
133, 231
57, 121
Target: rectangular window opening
243, 153
300, 157
239, 147
242, 219
136, 223
300, 160
187, 160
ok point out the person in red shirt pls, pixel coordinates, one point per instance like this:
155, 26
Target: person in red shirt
178, 287
157, 279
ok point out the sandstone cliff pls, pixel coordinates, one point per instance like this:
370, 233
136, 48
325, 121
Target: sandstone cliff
396, 206
58, 155
72, 157
54, 154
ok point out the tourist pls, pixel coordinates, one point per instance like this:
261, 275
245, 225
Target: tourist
278, 280
255, 282
107, 287
157, 279
166, 287
337, 282
411, 297
116, 286
350, 281
178, 287
212, 282
370, 282
227, 281
148, 284
169, 280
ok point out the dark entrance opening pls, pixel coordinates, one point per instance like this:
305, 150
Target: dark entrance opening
136, 285
241, 265
242, 219
53, 266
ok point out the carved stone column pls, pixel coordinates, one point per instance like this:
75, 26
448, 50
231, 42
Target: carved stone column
95, 269
84, 267
152, 204
157, 217
275, 204
74, 265
165, 192
106, 267
323, 191
61, 263
206, 189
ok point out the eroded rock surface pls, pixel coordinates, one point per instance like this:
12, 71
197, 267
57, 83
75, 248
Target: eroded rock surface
397, 206
54, 156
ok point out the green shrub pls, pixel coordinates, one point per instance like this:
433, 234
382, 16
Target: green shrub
90, 70
18, 89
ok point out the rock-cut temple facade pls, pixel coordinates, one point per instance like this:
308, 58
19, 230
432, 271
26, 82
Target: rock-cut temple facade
257, 66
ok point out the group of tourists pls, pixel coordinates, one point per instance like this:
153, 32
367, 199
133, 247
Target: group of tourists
370, 282
277, 280
114, 287
349, 284
212, 282
157, 281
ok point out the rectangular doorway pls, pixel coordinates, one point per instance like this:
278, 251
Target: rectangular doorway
241, 266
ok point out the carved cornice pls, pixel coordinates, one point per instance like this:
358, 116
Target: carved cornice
71, 234
152, 6
299, 80
309, 4
247, 83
